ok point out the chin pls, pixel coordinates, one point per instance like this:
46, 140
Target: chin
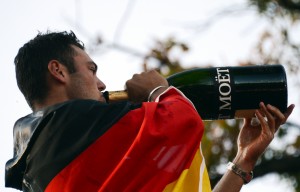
102, 99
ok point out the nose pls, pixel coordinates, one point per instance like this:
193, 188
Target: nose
101, 86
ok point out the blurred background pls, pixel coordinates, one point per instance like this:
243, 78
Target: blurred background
129, 36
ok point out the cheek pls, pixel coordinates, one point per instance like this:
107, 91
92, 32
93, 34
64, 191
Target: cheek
84, 83
78, 87
85, 80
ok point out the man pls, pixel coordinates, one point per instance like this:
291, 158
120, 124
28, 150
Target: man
75, 141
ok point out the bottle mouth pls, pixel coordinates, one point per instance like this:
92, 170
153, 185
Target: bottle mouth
106, 96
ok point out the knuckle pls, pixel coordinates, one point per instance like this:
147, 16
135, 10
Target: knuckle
135, 75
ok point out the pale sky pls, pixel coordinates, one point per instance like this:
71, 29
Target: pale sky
227, 41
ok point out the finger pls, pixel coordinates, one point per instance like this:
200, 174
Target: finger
152, 71
157, 69
277, 115
266, 133
289, 111
281, 118
270, 117
263, 123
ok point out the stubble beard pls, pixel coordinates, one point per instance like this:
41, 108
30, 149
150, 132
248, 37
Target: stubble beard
80, 90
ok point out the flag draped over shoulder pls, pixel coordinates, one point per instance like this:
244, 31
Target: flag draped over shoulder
154, 147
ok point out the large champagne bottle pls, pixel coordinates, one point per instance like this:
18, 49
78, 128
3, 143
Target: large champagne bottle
231, 92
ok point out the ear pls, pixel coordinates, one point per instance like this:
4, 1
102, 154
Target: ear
57, 70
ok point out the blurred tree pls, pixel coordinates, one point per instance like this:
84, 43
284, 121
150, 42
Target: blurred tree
161, 53
278, 45
275, 8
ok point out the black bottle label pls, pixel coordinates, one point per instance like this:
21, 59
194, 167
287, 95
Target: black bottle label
224, 89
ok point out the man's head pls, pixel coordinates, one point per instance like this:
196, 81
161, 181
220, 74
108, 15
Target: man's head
50, 65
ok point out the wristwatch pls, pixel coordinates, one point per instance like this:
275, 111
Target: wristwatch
246, 176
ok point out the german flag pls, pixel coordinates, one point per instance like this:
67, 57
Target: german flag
85, 145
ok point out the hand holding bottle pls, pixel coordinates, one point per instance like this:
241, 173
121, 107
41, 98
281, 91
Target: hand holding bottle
254, 139
140, 85
252, 142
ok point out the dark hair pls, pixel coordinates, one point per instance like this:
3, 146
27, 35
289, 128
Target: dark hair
32, 61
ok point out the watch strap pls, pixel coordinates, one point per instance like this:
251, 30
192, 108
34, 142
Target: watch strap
246, 176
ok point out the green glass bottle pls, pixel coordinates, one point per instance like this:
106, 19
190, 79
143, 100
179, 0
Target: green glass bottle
232, 92
227, 92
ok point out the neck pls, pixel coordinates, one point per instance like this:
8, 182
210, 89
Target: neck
53, 98
40, 106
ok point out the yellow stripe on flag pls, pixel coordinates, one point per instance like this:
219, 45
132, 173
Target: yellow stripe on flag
194, 179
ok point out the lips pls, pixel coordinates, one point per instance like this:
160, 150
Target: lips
103, 97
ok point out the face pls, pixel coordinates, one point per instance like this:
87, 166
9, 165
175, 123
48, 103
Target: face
84, 84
